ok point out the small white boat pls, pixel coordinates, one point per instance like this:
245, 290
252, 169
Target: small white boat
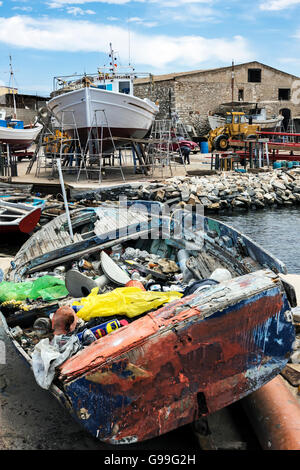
18, 136
103, 102
12, 130
259, 118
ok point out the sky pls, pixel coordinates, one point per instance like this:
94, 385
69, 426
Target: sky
62, 37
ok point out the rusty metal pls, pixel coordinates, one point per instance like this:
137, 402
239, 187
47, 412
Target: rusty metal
275, 415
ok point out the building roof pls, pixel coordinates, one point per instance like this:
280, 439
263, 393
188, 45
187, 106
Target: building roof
173, 76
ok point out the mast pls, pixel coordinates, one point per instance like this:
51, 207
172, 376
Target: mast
232, 85
11, 81
113, 59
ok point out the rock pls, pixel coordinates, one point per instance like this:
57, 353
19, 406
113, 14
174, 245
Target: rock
245, 200
160, 195
278, 200
278, 185
238, 204
292, 373
205, 202
185, 193
214, 207
258, 203
213, 198
224, 204
193, 200
268, 198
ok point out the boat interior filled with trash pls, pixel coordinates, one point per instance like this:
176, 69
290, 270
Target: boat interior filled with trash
140, 322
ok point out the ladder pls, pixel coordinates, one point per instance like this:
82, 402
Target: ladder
46, 129
160, 149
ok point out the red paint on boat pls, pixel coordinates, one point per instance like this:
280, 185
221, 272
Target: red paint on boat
25, 224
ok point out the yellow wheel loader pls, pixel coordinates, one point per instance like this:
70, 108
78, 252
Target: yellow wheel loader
236, 126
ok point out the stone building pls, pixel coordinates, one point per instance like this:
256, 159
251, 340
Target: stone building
195, 94
27, 105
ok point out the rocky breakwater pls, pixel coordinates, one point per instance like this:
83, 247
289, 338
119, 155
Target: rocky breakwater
242, 192
228, 191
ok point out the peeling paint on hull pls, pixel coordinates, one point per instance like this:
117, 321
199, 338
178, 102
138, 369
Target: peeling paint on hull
182, 365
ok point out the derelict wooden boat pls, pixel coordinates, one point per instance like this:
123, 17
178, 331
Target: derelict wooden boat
184, 360
17, 216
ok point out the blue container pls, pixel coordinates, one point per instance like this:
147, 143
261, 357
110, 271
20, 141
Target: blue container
204, 147
276, 165
290, 164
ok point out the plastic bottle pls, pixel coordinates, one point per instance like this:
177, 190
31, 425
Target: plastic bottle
104, 329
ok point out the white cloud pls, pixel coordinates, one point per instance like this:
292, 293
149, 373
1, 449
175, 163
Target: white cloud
22, 8
155, 50
79, 11
141, 21
162, 3
61, 3
276, 5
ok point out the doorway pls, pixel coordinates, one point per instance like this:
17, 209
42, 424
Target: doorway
286, 113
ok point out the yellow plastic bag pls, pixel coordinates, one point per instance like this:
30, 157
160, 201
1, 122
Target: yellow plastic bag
128, 301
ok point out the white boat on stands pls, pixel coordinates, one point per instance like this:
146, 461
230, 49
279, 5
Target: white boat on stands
259, 117
14, 133
104, 102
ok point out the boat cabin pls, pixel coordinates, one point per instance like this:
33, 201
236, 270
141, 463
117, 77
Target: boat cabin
115, 83
9, 122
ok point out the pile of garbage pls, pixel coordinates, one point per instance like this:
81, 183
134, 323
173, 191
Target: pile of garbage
54, 316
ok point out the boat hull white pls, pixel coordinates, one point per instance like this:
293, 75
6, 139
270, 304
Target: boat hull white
19, 139
216, 121
112, 114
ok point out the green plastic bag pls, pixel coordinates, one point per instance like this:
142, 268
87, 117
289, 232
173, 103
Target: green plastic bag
45, 287
129, 301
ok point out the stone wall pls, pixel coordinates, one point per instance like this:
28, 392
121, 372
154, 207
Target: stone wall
162, 92
26, 115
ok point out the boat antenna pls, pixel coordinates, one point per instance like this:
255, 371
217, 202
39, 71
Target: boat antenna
113, 64
232, 84
129, 51
11, 83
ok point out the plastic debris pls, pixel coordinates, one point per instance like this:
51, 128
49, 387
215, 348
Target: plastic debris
128, 301
45, 287
49, 355
221, 275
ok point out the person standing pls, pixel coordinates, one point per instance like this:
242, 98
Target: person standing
185, 150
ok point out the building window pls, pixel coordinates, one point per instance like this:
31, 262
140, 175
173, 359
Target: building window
284, 94
254, 75
241, 95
